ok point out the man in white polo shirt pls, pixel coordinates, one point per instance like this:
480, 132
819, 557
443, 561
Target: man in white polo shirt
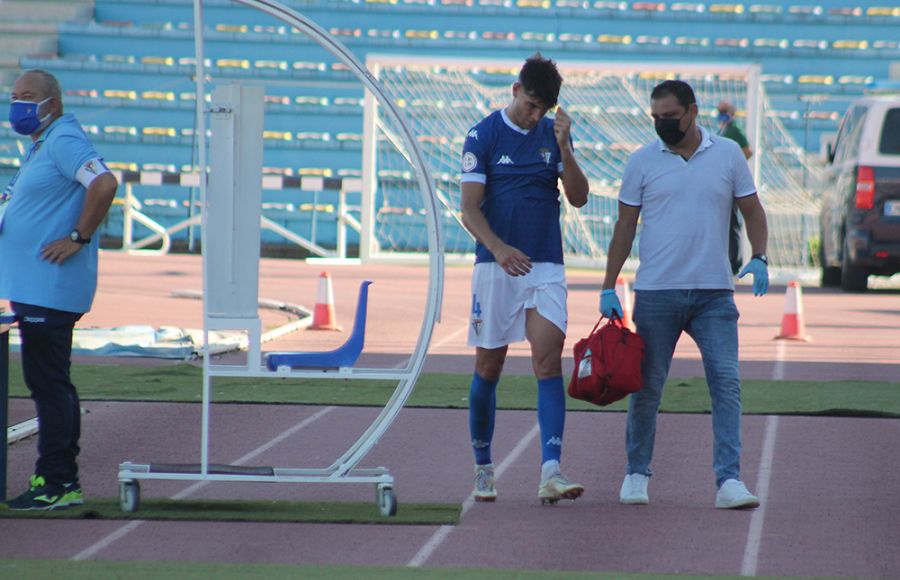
683, 185
48, 271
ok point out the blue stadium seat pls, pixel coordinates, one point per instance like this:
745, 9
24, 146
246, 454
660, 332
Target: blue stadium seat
345, 355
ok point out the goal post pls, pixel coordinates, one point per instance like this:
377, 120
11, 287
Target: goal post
441, 98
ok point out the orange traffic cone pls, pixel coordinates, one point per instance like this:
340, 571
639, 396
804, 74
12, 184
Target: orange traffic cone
623, 292
792, 325
323, 314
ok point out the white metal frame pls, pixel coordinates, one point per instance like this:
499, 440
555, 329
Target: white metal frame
344, 469
132, 212
369, 250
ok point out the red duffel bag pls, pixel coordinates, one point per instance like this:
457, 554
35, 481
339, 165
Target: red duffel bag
607, 364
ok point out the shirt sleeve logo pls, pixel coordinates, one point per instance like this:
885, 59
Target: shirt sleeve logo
469, 161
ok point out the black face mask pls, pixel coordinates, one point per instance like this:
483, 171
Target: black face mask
669, 130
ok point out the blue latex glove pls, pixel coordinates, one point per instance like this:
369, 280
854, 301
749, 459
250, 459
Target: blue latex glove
609, 304
760, 272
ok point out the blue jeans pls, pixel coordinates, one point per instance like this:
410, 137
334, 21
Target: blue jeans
710, 318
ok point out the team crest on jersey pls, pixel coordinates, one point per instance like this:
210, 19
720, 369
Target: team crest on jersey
469, 161
545, 155
473, 134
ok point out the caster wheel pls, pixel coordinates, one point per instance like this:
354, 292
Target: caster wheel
387, 501
129, 496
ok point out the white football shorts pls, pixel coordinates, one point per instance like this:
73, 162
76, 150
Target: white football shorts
499, 302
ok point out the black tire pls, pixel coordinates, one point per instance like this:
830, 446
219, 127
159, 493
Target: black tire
853, 278
831, 275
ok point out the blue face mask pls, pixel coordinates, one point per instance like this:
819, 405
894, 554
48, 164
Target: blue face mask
724, 117
23, 116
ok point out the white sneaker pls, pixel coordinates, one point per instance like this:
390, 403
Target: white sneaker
634, 490
734, 495
558, 487
484, 483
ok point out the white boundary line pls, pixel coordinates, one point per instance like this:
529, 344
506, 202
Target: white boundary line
754, 535
442, 532
449, 338
120, 533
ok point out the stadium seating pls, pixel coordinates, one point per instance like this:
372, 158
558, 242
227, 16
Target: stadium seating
128, 72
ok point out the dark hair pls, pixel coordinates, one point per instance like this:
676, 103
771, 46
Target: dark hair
540, 79
680, 89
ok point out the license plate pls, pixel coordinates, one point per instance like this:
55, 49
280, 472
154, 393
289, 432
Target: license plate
892, 208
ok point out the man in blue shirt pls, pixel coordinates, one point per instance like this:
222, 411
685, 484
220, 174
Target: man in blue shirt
48, 271
511, 165
682, 186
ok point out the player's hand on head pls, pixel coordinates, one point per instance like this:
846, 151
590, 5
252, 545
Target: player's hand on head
562, 125
512, 260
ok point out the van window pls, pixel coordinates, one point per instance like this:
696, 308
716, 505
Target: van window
890, 134
850, 133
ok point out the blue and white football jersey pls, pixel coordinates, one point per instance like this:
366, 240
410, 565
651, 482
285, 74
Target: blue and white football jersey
520, 170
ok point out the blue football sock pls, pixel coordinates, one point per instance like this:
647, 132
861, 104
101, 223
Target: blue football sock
482, 410
551, 411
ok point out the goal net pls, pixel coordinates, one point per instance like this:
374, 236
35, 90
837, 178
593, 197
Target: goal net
609, 106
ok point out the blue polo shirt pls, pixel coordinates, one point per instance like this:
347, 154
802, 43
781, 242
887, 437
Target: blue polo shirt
46, 202
520, 170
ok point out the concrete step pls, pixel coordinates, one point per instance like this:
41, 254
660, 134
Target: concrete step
46, 10
20, 39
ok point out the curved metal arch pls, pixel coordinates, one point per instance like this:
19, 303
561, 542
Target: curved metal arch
429, 197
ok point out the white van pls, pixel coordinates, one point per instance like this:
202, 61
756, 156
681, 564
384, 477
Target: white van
860, 215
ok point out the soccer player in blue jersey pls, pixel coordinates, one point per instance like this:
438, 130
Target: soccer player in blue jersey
48, 271
511, 166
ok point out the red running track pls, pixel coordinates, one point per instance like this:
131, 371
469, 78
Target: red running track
829, 508
831, 484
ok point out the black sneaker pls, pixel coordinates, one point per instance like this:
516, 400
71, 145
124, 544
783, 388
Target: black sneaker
42, 496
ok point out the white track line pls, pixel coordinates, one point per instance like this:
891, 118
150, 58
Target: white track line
778, 369
120, 533
754, 535
450, 337
259, 450
442, 532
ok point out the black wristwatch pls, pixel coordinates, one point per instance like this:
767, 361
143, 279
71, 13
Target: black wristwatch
762, 257
75, 236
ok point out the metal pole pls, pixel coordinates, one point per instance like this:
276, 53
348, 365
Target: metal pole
5, 321
200, 116
806, 141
